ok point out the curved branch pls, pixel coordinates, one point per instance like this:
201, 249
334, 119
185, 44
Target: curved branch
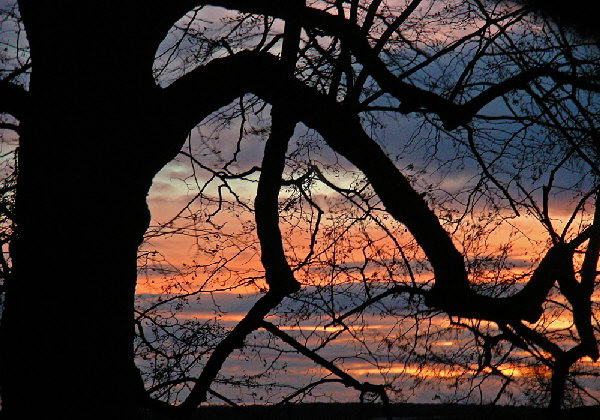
278, 273
277, 270
412, 98
342, 130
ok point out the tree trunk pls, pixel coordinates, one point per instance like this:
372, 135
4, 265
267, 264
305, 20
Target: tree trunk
560, 372
81, 214
85, 164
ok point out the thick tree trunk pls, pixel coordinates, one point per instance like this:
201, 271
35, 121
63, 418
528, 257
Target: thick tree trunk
560, 373
81, 213
85, 164
557, 387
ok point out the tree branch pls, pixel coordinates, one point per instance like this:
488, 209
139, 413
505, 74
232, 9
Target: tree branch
277, 271
234, 340
412, 98
347, 379
342, 130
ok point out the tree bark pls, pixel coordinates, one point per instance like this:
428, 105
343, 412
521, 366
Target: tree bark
89, 148
68, 315
80, 214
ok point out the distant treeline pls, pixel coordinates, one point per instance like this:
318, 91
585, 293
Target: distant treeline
356, 411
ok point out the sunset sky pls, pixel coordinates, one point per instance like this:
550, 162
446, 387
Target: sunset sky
200, 268
177, 185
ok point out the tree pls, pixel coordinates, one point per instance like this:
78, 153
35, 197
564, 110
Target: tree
95, 128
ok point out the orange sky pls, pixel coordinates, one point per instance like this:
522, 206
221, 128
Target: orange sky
170, 193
